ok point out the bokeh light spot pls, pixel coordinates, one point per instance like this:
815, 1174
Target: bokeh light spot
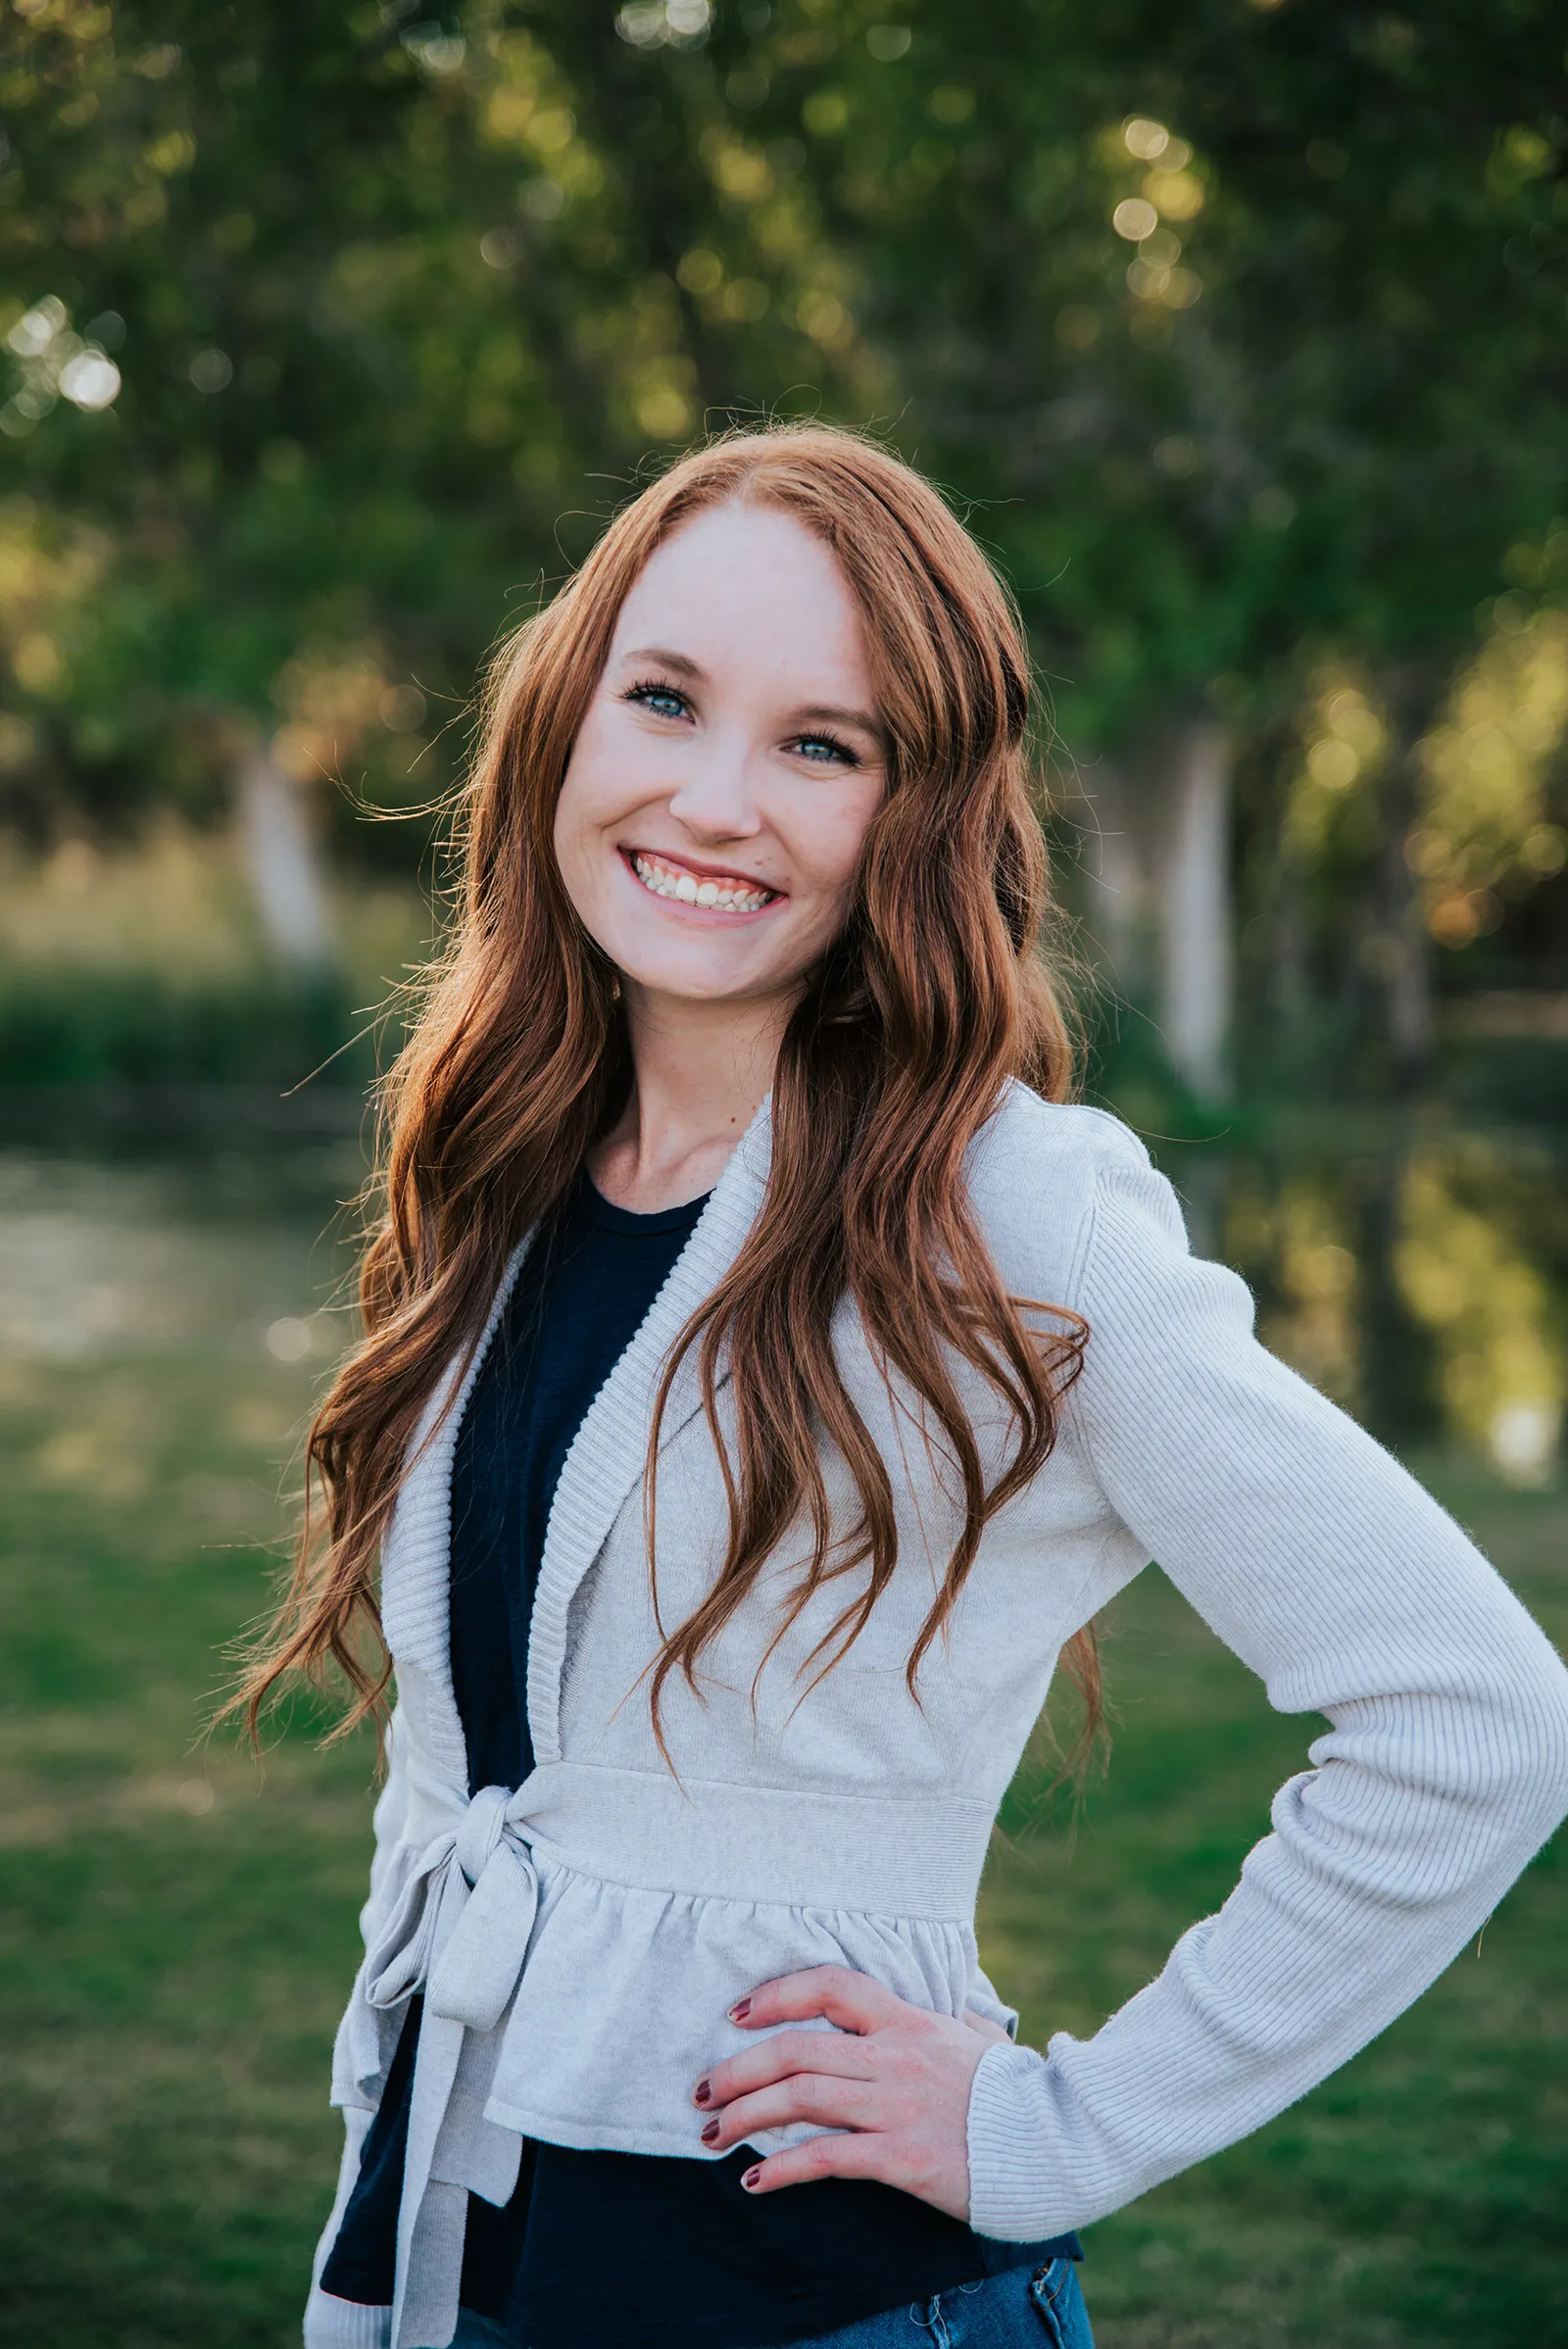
212, 370
1135, 217
288, 1340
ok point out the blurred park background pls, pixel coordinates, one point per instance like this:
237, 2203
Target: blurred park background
329, 337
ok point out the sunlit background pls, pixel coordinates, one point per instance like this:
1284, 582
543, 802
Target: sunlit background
329, 337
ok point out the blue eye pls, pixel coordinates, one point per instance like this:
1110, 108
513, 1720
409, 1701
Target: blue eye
665, 701
823, 751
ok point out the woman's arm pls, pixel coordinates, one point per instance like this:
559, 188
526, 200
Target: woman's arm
1329, 1571
1352, 1594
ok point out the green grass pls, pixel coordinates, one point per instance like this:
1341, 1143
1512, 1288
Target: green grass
178, 1929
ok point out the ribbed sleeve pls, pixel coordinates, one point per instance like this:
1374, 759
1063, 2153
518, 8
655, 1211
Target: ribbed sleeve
1353, 1596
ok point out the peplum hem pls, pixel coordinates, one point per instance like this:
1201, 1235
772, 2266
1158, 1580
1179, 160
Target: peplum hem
520, 1917
566, 2001
622, 2003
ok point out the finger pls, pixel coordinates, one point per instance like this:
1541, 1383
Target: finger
813, 2096
819, 2157
853, 2001
837, 2052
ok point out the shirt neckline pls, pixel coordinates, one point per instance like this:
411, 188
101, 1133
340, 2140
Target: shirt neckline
602, 1211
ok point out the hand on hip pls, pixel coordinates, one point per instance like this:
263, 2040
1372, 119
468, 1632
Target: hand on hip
894, 2078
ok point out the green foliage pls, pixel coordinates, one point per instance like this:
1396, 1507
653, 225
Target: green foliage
388, 293
1238, 330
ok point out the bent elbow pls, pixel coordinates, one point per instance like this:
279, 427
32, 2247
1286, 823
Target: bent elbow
1525, 1787
1546, 1770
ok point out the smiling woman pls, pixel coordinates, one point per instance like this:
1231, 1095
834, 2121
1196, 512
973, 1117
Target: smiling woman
729, 766
766, 1378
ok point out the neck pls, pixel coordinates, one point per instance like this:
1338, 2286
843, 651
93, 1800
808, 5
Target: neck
700, 1073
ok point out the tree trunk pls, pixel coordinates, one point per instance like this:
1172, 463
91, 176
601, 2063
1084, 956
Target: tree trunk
1193, 886
1116, 872
1157, 856
283, 864
1411, 1027
1404, 965
1398, 1373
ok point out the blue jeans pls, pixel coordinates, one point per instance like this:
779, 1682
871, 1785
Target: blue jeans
1039, 2308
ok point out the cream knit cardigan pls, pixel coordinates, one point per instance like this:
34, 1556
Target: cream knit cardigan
579, 1938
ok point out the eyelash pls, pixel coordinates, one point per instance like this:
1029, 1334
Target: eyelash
647, 688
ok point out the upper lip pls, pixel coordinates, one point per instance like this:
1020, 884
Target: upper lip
703, 872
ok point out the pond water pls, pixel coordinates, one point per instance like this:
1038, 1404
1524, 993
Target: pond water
1417, 1274
155, 1251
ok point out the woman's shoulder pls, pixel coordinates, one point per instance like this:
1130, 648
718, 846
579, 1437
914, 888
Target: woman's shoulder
1024, 1123
1035, 1171
1028, 1143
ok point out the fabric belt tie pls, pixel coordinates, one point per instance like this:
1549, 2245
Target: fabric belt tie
460, 1929
459, 1933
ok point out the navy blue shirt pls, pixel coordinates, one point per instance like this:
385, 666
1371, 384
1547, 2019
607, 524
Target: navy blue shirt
612, 2250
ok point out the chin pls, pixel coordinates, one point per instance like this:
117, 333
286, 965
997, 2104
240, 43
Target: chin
678, 980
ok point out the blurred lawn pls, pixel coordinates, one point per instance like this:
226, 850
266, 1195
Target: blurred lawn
179, 1929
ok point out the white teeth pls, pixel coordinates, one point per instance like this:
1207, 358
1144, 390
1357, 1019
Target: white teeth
687, 890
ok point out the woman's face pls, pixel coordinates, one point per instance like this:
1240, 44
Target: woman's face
710, 821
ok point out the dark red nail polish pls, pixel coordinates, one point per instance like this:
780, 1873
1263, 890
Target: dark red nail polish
740, 2010
711, 2131
749, 2181
702, 2092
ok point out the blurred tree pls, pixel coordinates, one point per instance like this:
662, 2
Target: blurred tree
1246, 326
1238, 327
332, 309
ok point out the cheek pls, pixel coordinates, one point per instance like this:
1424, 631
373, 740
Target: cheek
566, 836
828, 841
579, 854
583, 809
612, 771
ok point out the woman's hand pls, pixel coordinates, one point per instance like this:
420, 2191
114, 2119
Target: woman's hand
894, 2075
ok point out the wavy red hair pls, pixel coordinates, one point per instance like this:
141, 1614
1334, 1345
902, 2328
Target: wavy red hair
935, 994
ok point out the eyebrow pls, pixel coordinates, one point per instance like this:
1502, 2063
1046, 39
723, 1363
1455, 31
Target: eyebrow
662, 657
814, 714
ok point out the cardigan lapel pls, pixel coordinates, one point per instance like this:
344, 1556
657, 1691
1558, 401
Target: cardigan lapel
416, 1557
610, 1447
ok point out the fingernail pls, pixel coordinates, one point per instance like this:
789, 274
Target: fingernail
740, 2010
711, 2131
702, 2092
749, 2181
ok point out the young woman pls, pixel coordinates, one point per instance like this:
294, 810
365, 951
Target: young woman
766, 1378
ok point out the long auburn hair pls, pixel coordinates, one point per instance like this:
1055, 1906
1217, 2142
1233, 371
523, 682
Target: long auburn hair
894, 1058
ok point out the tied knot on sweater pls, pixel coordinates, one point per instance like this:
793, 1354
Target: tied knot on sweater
461, 1930
482, 1827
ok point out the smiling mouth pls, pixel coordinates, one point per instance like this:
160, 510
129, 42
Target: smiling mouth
722, 893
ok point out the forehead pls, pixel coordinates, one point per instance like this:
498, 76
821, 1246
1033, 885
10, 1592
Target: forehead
749, 586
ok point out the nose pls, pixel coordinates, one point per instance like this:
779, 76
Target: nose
715, 799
